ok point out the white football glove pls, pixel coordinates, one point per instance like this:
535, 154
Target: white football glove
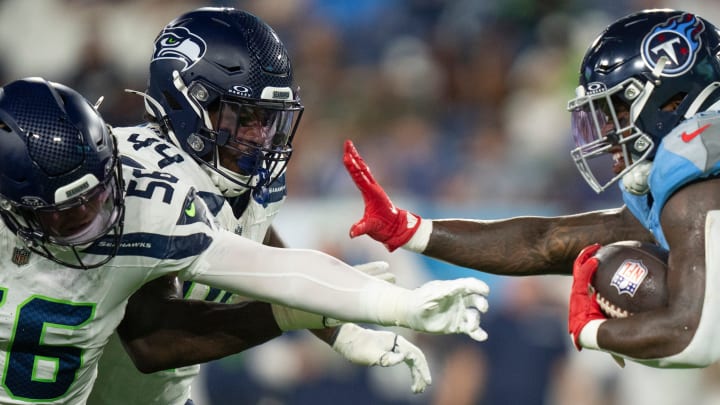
377, 269
369, 347
441, 306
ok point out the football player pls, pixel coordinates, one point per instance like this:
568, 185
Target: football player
81, 232
647, 108
220, 87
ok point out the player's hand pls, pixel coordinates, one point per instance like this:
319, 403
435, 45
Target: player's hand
381, 221
447, 306
369, 347
583, 306
378, 269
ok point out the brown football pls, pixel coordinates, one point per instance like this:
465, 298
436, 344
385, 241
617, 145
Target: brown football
630, 278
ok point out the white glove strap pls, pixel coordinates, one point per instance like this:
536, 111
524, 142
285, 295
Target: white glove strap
295, 319
588, 334
419, 241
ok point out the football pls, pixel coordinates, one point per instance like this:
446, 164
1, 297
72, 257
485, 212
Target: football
630, 278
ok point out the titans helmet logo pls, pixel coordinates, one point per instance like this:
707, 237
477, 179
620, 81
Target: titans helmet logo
181, 44
677, 40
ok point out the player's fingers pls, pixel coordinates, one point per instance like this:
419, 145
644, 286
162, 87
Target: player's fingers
419, 383
358, 228
356, 165
478, 302
418, 364
352, 160
587, 253
378, 269
479, 335
471, 325
373, 268
389, 359
469, 286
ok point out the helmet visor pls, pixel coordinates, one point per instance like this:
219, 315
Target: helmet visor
602, 129
83, 219
250, 134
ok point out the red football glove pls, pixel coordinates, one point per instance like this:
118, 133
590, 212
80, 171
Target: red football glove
381, 221
583, 306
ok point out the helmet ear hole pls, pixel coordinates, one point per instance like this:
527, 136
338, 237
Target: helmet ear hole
672, 103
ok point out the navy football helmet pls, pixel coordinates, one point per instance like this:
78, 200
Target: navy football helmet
221, 87
640, 78
60, 177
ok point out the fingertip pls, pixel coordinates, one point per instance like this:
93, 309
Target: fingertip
481, 304
357, 229
475, 285
480, 335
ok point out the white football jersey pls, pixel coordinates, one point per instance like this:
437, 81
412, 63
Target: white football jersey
143, 146
56, 320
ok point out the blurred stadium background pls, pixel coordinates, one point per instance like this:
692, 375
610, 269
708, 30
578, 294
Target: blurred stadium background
459, 108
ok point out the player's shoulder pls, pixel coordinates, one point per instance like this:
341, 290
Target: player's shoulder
146, 129
156, 200
691, 134
691, 146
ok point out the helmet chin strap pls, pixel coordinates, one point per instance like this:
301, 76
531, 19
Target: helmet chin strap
227, 187
221, 178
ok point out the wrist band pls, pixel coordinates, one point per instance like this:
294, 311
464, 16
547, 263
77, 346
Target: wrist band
419, 241
588, 334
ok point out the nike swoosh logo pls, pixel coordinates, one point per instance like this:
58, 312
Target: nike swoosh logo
687, 137
190, 211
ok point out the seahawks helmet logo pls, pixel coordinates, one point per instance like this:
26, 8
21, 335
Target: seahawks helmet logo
180, 44
678, 40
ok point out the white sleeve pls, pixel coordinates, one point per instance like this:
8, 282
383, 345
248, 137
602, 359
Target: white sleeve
305, 279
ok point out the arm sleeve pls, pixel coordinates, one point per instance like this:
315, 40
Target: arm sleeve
305, 279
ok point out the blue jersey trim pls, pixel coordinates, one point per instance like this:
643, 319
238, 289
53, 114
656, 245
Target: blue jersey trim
213, 201
156, 246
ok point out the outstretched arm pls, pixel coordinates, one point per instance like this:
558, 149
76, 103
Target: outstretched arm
515, 246
161, 330
529, 245
318, 283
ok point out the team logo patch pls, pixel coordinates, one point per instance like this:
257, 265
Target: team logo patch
21, 256
629, 276
677, 39
181, 44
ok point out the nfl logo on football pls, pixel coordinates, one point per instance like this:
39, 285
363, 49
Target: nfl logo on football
629, 276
